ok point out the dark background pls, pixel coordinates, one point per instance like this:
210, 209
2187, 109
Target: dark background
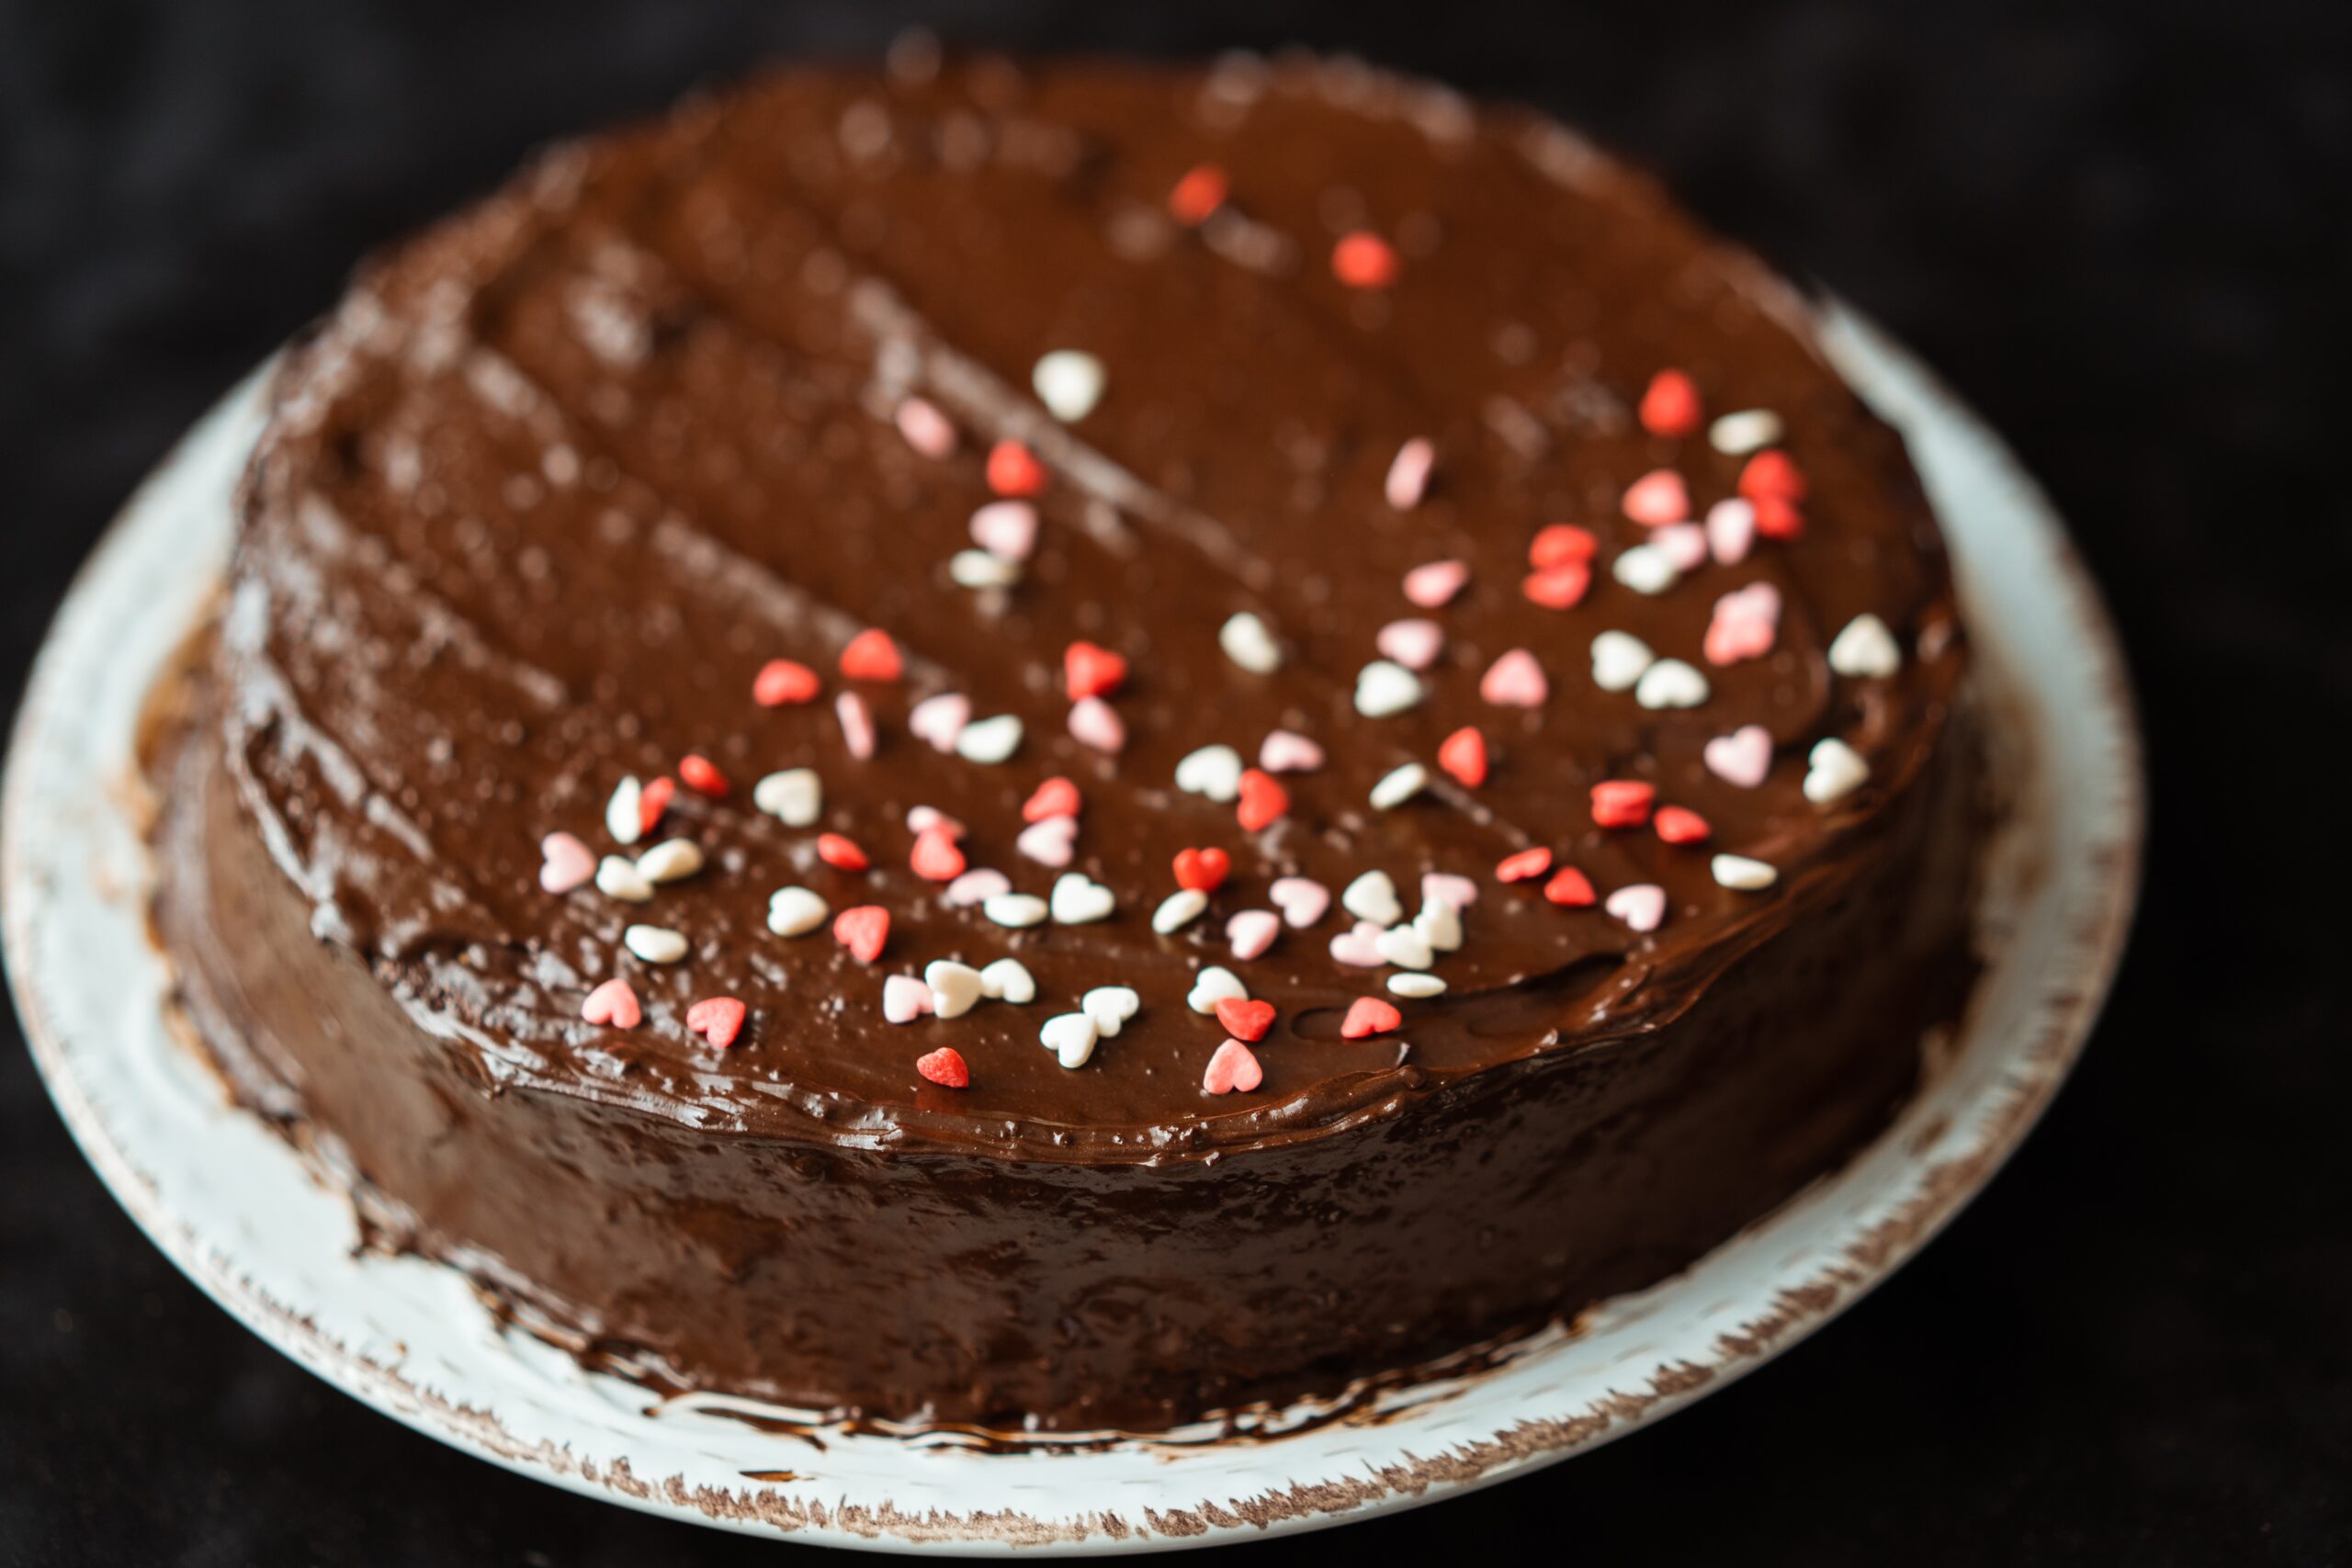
2124, 234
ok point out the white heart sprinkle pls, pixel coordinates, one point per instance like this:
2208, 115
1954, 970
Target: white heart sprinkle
1750, 430
617, 878
1836, 771
1070, 1036
1414, 643
1213, 770
1743, 873
1068, 381
1743, 758
904, 999
1408, 473
621, 812
955, 988
977, 569
1447, 887
1646, 568
655, 945
1015, 909
1109, 1007
939, 719
1006, 530
1441, 926
1618, 661
1301, 899
1178, 909
1731, 529
1383, 687
1406, 948
1865, 649
673, 860
1399, 785
1248, 643
1213, 985
990, 740
1359, 946
1641, 906
1077, 901
795, 911
976, 886
1048, 840
1008, 979
1416, 986
1252, 932
1372, 897
1670, 683
795, 795
1684, 544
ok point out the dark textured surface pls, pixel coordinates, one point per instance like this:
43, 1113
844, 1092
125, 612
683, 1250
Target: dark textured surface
2124, 237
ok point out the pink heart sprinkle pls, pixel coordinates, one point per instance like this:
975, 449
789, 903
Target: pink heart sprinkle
1359, 946
1252, 932
1444, 887
1641, 906
857, 725
904, 999
976, 886
1760, 600
615, 1003
1731, 638
1657, 497
1006, 529
565, 862
1095, 724
1684, 544
1742, 757
1233, 1067
1515, 681
927, 430
1435, 582
1301, 899
1411, 643
940, 719
1731, 529
1048, 840
1409, 476
1286, 752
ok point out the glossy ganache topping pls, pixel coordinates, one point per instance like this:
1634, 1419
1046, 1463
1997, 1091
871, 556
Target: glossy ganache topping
1095, 611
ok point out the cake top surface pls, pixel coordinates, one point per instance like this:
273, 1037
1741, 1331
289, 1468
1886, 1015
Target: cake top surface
1276, 519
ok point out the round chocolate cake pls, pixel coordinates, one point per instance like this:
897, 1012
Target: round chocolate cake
1069, 749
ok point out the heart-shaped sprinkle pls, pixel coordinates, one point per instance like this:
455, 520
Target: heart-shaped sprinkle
617, 877
1641, 906
1413, 643
1247, 1021
795, 911
935, 857
652, 802
1203, 869
1463, 755
1262, 801
1013, 469
1773, 473
1743, 625
564, 862
1252, 932
990, 740
1048, 842
1562, 544
1362, 259
842, 853
1679, 825
1301, 899
977, 888
1742, 758
946, 1067
1232, 1069
1742, 875
1570, 888
1070, 1036
940, 719
1440, 925
1515, 681
1408, 473
926, 429
863, 930
1383, 687
1670, 404
1249, 642
1433, 584
1731, 529
1736, 435
1284, 753
612, 1005
1056, 797
1014, 911
1621, 803
1835, 771
978, 569
1372, 897
1009, 980
702, 776
1091, 671
1109, 1007
1619, 659
1865, 649
857, 725
1684, 545
1657, 497
1415, 984
623, 819
956, 988
872, 656
1213, 770
1215, 983
1646, 568
794, 796
1358, 946
1406, 948
718, 1019
673, 860
1558, 587
1671, 683
1068, 381
655, 945
785, 682
1523, 865
904, 999
1398, 785
1077, 902
1446, 888
1368, 1016
1178, 909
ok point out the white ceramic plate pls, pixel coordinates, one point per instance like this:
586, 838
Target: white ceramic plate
234, 1208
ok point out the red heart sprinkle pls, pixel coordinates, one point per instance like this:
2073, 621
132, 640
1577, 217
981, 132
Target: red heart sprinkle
613, 1003
782, 681
1524, 864
1263, 800
872, 656
1570, 888
1772, 472
1245, 1020
1557, 587
1369, 1016
1679, 825
1463, 755
862, 931
1778, 517
945, 1068
717, 1018
1091, 671
702, 776
1202, 870
1562, 544
1201, 192
1364, 260
840, 853
1056, 797
1670, 407
652, 802
935, 857
1621, 803
1013, 470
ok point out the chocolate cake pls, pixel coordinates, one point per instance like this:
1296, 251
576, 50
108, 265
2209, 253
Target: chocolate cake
1070, 747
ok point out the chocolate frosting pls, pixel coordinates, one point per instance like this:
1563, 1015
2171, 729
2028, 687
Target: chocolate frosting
560, 477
